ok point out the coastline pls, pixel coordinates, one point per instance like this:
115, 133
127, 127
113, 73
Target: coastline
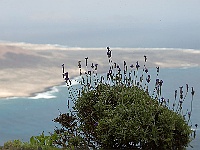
29, 69
33, 94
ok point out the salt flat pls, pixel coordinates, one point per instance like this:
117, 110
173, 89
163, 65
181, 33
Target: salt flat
26, 69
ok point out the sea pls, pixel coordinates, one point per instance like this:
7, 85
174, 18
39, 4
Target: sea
23, 117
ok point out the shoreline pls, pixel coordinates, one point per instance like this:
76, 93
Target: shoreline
26, 70
34, 94
50, 88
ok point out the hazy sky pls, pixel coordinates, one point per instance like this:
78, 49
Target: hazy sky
101, 23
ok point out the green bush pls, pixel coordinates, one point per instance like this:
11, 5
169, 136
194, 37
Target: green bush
127, 117
40, 142
68, 136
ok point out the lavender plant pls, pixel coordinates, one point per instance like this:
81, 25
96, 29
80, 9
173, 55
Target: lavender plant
118, 110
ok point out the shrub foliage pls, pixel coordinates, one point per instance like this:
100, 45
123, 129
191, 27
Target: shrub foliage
127, 117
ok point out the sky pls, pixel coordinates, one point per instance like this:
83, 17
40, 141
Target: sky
101, 23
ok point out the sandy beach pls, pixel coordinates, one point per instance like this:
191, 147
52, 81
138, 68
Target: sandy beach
26, 69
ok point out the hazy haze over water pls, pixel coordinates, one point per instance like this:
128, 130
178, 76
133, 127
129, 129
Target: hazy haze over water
100, 23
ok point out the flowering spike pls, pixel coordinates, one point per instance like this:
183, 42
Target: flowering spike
157, 69
70, 82
137, 65
132, 66
124, 63
189, 114
79, 64
146, 70
68, 104
66, 76
92, 66
175, 94
181, 89
187, 87
63, 69
86, 63
192, 91
148, 79
115, 65
96, 66
181, 92
161, 82
145, 58
157, 81
108, 52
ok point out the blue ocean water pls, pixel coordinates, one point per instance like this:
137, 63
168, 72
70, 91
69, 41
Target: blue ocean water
21, 118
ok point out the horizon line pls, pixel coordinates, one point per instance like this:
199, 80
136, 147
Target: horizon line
47, 46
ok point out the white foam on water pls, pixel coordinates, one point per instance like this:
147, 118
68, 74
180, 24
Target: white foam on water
51, 93
187, 66
46, 95
10, 98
